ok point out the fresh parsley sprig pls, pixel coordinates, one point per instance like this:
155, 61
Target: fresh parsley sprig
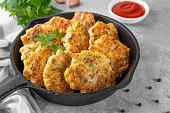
46, 40
26, 10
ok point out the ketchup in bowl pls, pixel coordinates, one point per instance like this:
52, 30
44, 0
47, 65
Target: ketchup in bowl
128, 9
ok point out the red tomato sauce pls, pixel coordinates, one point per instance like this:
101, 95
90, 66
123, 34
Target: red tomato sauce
128, 9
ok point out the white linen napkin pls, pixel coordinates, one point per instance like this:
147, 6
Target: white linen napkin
20, 101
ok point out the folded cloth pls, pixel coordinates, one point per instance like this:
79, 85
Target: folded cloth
20, 101
4, 73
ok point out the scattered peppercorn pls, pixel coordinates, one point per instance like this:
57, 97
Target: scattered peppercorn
159, 80
139, 104
157, 101
150, 87
123, 110
127, 90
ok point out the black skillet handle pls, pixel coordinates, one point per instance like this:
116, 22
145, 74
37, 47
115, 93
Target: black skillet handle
11, 84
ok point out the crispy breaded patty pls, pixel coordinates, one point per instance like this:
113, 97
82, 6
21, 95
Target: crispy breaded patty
53, 75
100, 29
60, 23
76, 38
117, 52
85, 18
89, 72
35, 31
35, 60
28, 49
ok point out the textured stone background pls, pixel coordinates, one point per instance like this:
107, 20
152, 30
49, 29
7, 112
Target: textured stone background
153, 35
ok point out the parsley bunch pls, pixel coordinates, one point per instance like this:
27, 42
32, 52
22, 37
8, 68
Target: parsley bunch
46, 40
26, 10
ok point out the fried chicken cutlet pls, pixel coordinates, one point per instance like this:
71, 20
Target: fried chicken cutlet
86, 18
60, 23
53, 75
89, 72
76, 38
35, 58
117, 52
100, 29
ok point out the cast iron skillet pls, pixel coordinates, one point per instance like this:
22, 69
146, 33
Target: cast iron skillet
74, 99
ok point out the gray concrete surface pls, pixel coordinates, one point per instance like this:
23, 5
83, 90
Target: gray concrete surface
153, 35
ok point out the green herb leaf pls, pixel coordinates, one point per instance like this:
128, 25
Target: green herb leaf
46, 40
9, 3
13, 14
26, 10
59, 36
3, 4
53, 10
9, 9
44, 2
61, 48
55, 47
47, 43
36, 3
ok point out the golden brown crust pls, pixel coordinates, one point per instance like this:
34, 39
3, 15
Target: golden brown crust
34, 62
85, 18
60, 23
35, 31
76, 38
89, 72
100, 29
53, 75
114, 50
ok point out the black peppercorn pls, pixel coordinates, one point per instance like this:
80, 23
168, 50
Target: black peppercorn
150, 87
159, 80
139, 104
127, 90
123, 110
157, 101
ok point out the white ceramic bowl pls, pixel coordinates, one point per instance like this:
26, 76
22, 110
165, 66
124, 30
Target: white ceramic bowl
128, 20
